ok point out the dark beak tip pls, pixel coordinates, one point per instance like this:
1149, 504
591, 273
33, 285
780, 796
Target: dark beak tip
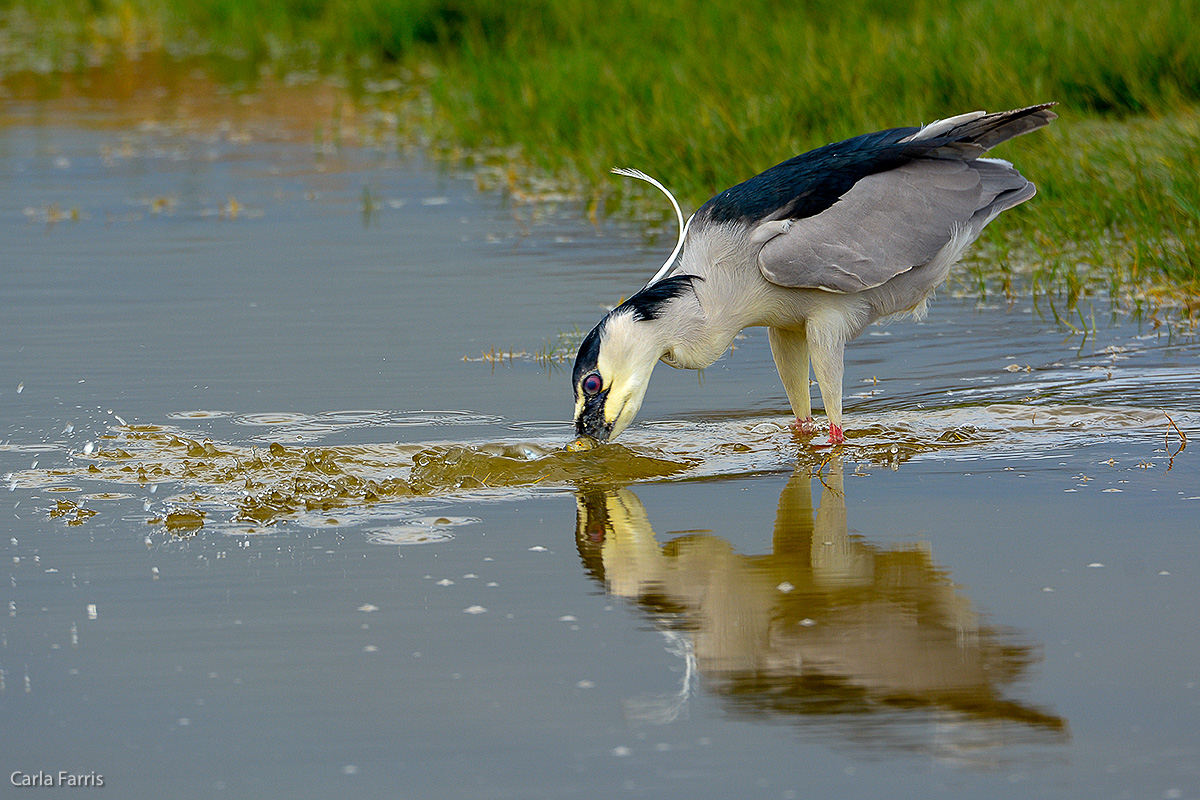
590, 422
591, 431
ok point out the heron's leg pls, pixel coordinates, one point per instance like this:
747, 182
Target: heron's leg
790, 350
827, 355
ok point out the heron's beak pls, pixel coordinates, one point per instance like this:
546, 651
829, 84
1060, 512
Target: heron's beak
590, 421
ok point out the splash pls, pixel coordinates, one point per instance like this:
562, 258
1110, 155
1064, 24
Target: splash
263, 484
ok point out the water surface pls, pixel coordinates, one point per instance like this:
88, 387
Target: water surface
276, 526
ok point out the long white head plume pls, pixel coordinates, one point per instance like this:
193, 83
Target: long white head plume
683, 226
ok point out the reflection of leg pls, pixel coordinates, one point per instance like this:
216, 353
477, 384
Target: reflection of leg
794, 517
831, 516
836, 558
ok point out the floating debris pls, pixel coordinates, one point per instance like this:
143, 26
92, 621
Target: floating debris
185, 522
71, 512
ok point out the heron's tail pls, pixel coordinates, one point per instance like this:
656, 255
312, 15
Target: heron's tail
973, 134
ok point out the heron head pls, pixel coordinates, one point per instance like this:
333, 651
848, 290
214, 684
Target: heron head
613, 367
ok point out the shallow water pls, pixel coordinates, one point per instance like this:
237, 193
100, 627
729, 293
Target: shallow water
275, 526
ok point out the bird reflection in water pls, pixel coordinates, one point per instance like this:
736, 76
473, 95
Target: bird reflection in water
826, 628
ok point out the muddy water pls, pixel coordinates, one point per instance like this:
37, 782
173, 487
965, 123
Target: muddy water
286, 511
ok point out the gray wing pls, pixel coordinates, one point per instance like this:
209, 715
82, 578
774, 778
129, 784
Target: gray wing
887, 223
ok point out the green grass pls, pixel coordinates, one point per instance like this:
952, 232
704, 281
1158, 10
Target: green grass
705, 94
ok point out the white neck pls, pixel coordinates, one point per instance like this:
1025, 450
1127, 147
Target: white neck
700, 328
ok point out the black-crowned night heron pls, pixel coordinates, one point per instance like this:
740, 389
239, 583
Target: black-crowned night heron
815, 249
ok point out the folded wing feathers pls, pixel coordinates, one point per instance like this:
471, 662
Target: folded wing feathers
886, 224
894, 220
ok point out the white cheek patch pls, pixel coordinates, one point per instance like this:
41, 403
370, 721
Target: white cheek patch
628, 352
610, 362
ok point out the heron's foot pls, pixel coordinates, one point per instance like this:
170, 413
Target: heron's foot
806, 426
836, 437
835, 434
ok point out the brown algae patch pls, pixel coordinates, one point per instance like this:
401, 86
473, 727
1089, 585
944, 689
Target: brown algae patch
184, 522
265, 484
450, 467
72, 513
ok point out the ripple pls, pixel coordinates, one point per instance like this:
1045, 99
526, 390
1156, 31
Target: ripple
547, 426
422, 530
273, 418
107, 496
313, 427
199, 414
41, 447
403, 536
365, 417
403, 419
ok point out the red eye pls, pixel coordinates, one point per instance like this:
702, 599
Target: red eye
592, 384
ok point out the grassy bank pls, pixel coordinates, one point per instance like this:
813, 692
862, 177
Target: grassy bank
704, 94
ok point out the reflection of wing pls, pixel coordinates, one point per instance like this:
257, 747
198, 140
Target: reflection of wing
825, 623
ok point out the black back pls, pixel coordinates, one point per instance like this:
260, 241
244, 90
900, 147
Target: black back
811, 182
